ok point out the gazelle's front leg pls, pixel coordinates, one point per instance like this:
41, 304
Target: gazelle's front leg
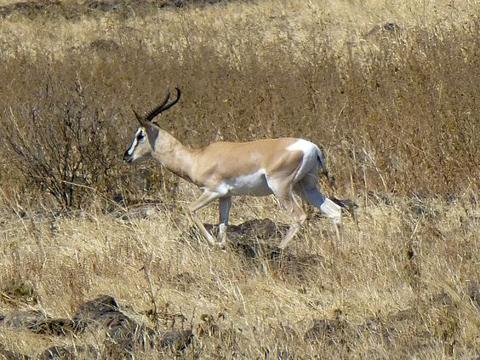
206, 198
224, 209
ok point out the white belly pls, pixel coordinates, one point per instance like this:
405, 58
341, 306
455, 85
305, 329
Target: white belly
252, 184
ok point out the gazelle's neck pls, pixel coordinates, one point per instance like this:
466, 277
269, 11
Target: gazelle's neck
173, 155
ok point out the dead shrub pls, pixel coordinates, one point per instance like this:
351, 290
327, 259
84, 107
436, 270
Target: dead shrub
61, 147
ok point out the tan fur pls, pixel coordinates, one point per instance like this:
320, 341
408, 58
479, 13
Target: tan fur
209, 166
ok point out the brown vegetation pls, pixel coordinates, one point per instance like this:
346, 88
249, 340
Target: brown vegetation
390, 92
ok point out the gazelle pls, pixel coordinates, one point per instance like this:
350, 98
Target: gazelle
222, 170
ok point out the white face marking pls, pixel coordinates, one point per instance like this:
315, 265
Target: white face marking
132, 147
135, 141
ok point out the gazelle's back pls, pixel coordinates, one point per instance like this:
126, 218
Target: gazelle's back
249, 154
230, 160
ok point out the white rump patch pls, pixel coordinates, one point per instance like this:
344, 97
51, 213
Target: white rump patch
302, 145
310, 162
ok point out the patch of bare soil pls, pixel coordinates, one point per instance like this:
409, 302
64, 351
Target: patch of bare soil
253, 239
256, 242
256, 238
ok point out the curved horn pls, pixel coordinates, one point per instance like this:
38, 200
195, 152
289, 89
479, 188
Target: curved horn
144, 120
157, 110
179, 93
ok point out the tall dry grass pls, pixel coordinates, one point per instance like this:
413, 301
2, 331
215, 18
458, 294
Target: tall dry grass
394, 107
395, 110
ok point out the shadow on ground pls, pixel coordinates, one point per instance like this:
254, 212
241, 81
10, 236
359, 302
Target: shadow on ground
256, 242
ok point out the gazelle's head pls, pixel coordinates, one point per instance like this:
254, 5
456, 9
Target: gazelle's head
146, 135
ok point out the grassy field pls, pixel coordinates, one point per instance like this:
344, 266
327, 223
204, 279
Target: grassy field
389, 89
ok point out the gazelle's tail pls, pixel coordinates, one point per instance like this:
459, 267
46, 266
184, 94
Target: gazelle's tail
324, 168
347, 205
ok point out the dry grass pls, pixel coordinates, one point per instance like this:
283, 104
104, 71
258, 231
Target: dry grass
396, 111
398, 283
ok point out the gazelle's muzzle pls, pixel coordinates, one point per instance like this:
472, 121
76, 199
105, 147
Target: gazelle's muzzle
127, 157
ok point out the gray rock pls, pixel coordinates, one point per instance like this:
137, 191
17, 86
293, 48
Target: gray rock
176, 340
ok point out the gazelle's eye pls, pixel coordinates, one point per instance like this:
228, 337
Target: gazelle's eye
140, 136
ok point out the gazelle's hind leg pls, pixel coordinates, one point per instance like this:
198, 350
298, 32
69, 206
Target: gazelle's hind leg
224, 210
284, 193
206, 198
308, 191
